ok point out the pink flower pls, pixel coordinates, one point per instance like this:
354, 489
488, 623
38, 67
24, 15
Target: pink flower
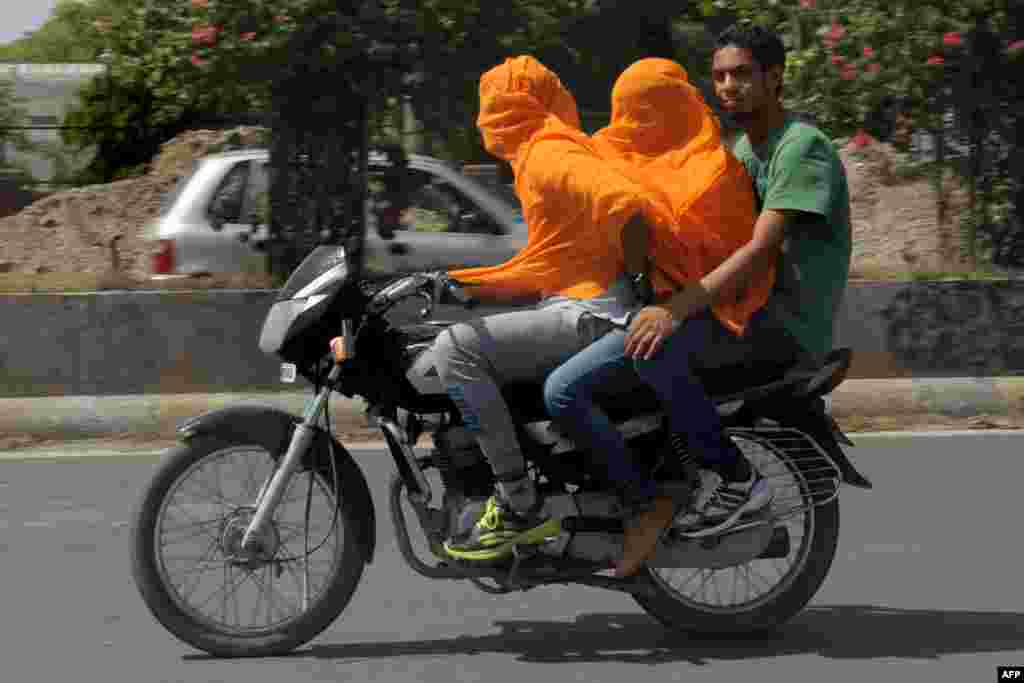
197, 61
873, 67
808, 4
848, 73
200, 4
251, 35
282, 19
204, 35
1016, 45
952, 39
838, 60
837, 31
935, 60
861, 139
869, 53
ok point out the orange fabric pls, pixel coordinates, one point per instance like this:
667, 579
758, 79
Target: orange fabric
575, 205
661, 156
662, 133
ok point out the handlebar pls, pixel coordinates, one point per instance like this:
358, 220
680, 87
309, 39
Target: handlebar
434, 288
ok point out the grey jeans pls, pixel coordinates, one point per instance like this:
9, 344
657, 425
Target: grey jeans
475, 358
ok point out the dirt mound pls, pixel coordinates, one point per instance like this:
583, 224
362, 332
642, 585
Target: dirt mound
895, 217
99, 229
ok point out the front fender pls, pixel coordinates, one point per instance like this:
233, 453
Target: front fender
272, 429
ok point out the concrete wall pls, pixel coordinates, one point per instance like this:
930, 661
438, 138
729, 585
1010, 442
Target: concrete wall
118, 343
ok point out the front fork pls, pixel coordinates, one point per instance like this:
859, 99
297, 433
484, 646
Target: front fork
274, 490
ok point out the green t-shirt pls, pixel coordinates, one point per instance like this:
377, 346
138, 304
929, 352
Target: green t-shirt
798, 168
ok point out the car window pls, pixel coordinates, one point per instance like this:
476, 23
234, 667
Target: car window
255, 208
437, 206
229, 198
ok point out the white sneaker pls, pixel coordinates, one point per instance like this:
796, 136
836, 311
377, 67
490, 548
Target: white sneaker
719, 504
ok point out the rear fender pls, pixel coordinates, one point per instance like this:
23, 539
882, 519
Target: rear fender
272, 429
811, 419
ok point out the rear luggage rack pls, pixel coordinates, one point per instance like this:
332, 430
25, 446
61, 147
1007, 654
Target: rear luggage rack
799, 468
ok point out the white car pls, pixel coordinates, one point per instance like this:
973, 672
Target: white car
451, 220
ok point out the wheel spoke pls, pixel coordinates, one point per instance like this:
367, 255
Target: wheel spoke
757, 574
199, 530
252, 487
704, 581
268, 592
690, 578
211, 495
220, 590
198, 575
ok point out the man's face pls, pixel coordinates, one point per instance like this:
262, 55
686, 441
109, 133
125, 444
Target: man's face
742, 86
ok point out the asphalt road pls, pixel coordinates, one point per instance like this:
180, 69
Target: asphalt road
926, 587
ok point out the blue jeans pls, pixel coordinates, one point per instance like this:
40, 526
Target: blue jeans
571, 390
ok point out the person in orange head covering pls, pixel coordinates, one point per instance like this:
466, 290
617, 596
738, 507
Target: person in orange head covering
663, 134
576, 205
588, 224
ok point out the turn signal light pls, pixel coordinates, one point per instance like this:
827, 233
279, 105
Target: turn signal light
339, 348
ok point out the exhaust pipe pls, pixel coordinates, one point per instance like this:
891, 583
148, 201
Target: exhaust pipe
583, 538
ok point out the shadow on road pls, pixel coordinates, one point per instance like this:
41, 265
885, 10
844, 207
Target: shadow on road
839, 632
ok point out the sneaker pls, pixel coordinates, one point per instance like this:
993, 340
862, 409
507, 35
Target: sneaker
719, 504
498, 530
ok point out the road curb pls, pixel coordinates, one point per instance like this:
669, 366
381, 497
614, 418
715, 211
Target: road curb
148, 415
872, 401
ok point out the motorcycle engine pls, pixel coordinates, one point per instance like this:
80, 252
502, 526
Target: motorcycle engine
463, 467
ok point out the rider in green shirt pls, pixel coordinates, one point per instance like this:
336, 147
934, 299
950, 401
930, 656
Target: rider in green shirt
796, 169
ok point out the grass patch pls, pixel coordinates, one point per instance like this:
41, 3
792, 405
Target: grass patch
72, 283
889, 273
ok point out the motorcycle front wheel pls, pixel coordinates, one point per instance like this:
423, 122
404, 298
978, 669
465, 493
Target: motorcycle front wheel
193, 575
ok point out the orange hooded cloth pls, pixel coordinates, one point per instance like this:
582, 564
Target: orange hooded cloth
661, 157
574, 204
663, 134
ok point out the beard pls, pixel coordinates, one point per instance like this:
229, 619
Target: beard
740, 119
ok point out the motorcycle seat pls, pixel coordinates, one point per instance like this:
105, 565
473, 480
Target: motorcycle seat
740, 382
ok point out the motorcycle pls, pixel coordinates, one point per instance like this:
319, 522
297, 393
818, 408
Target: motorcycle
259, 563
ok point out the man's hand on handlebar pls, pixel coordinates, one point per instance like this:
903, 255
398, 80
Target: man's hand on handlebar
448, 291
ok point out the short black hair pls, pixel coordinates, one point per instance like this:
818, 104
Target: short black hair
765, 45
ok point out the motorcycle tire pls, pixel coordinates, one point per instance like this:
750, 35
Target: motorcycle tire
199, 633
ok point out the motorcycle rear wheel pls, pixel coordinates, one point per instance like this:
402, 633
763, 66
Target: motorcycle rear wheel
297, 608
817, 536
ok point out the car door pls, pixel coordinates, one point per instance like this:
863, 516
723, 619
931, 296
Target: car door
232, 215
